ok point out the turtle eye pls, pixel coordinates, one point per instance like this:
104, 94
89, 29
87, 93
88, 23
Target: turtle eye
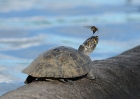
95, 39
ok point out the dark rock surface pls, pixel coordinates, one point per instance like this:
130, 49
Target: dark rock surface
117, 78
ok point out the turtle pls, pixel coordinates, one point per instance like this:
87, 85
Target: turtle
93, 28
62, 63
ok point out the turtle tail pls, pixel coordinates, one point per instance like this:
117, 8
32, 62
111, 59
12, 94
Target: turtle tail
29, 79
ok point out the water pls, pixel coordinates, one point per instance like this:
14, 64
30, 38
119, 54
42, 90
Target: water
27, 28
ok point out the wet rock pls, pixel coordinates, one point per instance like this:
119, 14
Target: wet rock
116, 78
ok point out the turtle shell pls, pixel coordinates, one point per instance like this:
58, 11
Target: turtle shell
60, 62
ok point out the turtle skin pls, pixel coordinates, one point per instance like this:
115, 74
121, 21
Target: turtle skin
60, 62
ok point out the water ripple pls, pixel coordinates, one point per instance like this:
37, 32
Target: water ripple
43, 22
20, 43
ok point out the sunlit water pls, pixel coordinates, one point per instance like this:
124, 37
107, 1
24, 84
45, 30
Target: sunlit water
29, 27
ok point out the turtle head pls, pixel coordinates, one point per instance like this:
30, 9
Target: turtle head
89, 45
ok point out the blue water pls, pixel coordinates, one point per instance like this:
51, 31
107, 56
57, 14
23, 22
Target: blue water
29, 27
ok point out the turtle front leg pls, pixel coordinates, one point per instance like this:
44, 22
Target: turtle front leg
91, 76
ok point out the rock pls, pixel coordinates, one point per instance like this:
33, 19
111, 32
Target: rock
117, 78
